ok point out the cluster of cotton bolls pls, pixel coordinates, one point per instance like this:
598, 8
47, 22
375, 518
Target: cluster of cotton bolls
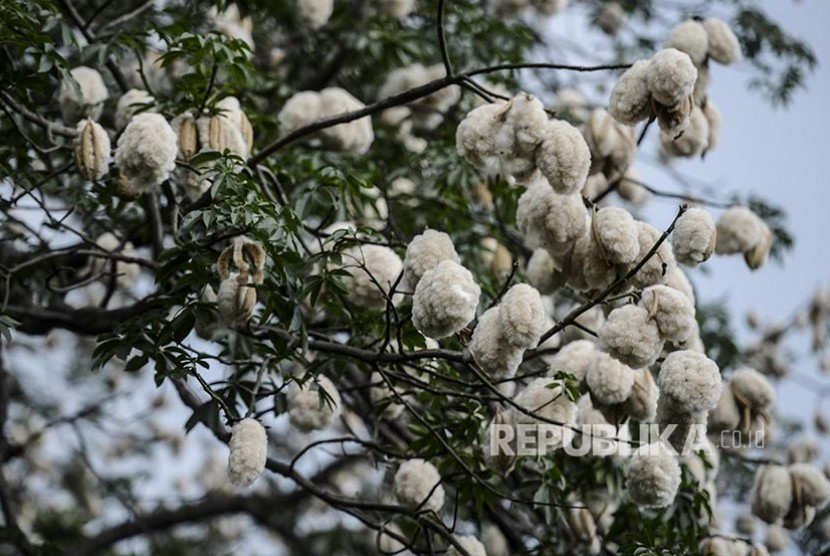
241, 266
744, 405
445, 294
313, 405
515, 8
518, 140
742, 231
417, 484
789, 495
248, 451
307, 107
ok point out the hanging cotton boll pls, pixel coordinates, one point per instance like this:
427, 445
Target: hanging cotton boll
249, 447
694, 236
752, 389
757, 256
595, 185
585, 268
445, 300
611, 17
522, 316
630, 188
691, 380
398, 9
471, 545
495, 541
82, 94
489, 348
92, 150
609, 381
524, 120
726, 415
356, 136
373, 269
563, 157
236, 300
720, 546
146, 152
232, 24
673, 312
715, 121
571, 105
690, 37
653, 476
612, 144
424, 252
630, 101
547, 219
695, 138
815, 487
777, 538
495, 256
315, 12
739, 231
641, 405
219, 134
724, 47
616, 232
575, 358
676, 278
654, 271
417, 484
131, 102
540, 272
427, 112
383, 397
299, 110
671, 77
475, 137
547, 401
772, 493
746, 524
243, 255
314, 405
231, 110
629, 335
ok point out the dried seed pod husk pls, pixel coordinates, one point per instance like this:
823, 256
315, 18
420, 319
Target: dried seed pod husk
188, 137
92, 150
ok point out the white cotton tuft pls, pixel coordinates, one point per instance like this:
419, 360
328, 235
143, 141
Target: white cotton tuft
306, 107
236, 299
310, 409
609, 381
129, 103
630, 101
677, 279
630, 336
673, 312
93, 151
549, 220
611, 17
641, 405
654, 271
695, 138
574, 358
772, 493
631, 188
739, 231
471, 544
724, 47
82, 94
425, 252
815, 487
316, 12
249, 448
753, 387
547, 401
427, 112
691, 381
522, 316
694, 236
489, 348
541, 271
146, 153
671, 77
563, 157
475, 137
653, 476
445, 300
301, 109
715, 121
690, 37
612, 144
616, 231
373, 269
777, 538
418, 485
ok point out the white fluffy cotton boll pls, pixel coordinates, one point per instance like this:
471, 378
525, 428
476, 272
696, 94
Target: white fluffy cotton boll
690, 37
715, 121
231, 110
691, 380
129, 103
616, 231
609, 380
574, 358
523, 128
592, 319
815, 487
671, 77
739, 231
724, 47
652, 271
653, 476
677, 279
315, 12
725, 416
540, 271
693, 142
475, 137
777, 538
630, 188
772, 493
673, 312
308, 408
550, 220
720, 546
563, 157
249, 447
753, 388
571, 104
641, 405
93, 152
547, 403
146, 153
611, 17
694, 236
522, 316
586, 267
495, 541
630, 101
489, 348
82, 94
445, 300
418, 485
299, 110
630, 336
356, 136
425, 252
231, 23
471, 544
611, 143
372, 271
427, 112
236, 299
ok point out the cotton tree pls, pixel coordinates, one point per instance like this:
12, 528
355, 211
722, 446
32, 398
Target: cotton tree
374, 277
